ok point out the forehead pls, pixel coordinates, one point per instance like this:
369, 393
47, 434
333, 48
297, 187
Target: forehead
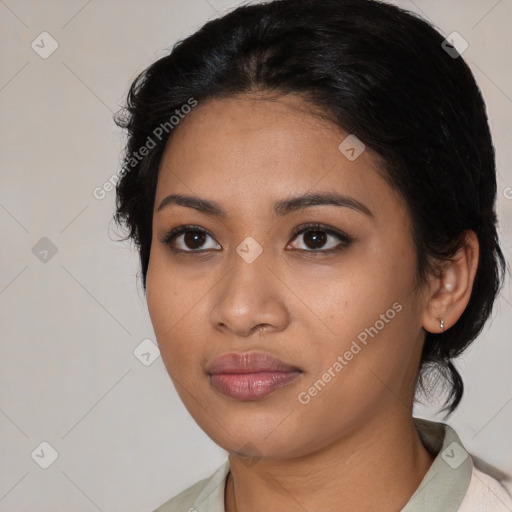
248, 150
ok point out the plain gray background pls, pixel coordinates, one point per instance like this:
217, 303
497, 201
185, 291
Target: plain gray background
71, 319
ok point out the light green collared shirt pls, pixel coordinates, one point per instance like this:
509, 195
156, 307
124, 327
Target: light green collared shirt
451, 484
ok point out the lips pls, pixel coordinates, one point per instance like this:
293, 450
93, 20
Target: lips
250, 375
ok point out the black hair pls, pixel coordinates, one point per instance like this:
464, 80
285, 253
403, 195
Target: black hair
382, 74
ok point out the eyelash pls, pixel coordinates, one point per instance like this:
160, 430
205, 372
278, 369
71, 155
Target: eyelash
345, 240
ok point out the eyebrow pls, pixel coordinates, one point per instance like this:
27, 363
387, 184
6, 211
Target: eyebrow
281, 208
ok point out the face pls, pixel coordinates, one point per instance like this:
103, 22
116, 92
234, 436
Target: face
284, 323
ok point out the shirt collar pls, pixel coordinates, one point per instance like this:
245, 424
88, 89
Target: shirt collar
211, 498
442, 489
444, 486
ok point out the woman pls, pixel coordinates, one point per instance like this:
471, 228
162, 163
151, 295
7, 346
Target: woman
311, 188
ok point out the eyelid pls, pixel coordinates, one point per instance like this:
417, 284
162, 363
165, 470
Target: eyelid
345, 239
170, 235
310, 226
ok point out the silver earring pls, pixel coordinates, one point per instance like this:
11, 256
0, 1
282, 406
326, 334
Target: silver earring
441, 324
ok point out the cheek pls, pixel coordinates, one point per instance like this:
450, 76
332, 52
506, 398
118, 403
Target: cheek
159, 295
168, 296
165, 306
352, 296
368, 302
177, 314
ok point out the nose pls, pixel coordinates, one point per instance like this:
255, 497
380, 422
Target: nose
250, 299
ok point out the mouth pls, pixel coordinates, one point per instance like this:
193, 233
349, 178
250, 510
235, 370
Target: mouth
251, 375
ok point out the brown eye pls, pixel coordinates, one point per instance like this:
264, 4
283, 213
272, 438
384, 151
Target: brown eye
194, 239
189, 239
317, 238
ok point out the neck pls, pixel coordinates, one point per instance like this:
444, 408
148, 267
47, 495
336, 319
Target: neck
375, 467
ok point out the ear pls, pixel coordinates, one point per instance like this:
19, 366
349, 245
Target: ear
450, 291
